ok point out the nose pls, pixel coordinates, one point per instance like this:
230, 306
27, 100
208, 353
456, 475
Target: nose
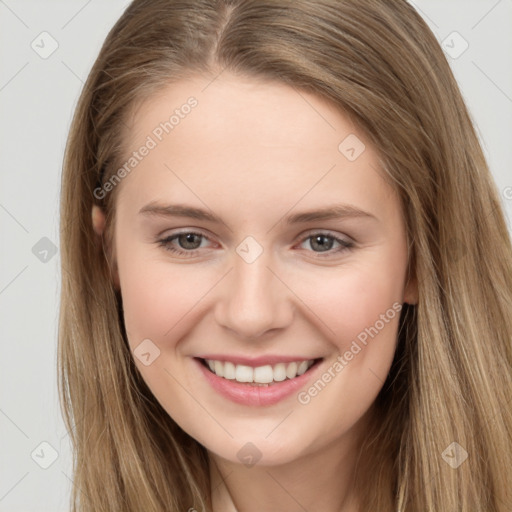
254, 299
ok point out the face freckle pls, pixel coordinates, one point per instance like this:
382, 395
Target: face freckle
235, 170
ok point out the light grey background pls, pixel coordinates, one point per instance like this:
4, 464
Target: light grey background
37, 98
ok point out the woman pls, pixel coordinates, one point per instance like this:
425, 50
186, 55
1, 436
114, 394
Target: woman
228, 344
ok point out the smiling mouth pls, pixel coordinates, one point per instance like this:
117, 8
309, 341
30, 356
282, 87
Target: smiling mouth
263, 376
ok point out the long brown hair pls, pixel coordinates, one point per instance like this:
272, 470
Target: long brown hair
451, 379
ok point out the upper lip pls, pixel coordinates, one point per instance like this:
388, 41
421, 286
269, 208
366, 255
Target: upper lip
256, 361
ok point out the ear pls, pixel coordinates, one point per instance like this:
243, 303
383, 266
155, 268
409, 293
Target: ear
411, 291
98, 220
98, 224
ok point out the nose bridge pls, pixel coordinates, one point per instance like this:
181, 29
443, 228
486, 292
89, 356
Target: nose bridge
254, 300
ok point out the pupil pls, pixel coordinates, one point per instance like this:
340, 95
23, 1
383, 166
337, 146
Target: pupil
319, 241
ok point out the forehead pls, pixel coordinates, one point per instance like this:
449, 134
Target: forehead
239, 110
251, 136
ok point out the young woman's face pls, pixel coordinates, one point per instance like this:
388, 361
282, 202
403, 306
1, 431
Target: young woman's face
260, 279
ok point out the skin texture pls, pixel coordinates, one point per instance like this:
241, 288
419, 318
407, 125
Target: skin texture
253, 152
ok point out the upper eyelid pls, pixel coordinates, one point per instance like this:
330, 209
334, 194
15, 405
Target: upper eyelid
195, 231
327, 232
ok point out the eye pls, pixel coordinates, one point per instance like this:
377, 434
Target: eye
323, 242
186, 244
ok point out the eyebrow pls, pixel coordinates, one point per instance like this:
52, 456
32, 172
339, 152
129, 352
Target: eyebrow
339, 211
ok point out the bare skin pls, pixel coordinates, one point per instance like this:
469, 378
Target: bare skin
252, 153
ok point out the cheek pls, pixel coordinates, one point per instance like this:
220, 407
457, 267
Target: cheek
358, 311
351, 299
158, 298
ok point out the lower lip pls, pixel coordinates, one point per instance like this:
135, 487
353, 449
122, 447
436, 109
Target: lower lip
246, 394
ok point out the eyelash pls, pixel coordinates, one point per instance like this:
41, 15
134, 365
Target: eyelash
345, 244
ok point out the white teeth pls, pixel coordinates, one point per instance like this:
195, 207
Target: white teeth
302, 368
219, 368
229, 371
291, 370
242, 373
280, 371
261, 374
